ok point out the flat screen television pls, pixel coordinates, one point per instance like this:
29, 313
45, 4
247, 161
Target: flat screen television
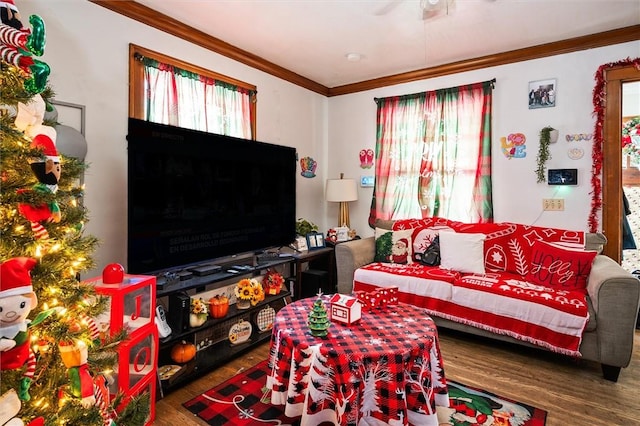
195, 196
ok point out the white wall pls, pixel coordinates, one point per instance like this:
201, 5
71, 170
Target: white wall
516, 195
87, 50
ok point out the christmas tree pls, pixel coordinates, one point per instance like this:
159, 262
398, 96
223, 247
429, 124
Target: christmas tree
318, 320
55, 364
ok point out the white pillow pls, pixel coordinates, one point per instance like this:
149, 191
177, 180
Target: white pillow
462, 252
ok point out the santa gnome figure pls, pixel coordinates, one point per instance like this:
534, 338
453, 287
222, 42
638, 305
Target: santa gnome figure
17, 299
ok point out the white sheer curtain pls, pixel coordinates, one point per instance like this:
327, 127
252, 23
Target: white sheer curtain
185, 99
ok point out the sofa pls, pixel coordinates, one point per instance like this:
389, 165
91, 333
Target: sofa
540, 287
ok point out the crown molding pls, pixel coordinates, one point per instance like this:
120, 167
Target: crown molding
621, 35
169, 25
148, 16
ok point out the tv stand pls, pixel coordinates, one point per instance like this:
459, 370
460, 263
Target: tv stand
215, 340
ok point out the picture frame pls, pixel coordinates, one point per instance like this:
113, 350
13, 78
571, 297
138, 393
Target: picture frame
315, 240
543, 93
301, 243
342, 234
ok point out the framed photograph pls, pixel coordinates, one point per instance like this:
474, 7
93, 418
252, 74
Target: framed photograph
542, 93
342, 234
301, 244
315, 240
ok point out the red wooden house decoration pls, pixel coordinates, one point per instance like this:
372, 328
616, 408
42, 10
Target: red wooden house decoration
346, 309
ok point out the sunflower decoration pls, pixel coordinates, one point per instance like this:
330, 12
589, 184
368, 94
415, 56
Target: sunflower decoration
249, 290
198, 312
199, 307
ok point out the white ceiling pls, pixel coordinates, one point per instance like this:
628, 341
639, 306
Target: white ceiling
313, 37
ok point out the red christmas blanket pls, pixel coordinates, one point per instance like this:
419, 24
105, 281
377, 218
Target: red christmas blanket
501, 303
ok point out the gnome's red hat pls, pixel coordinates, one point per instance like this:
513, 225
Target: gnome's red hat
15, 278
404, 241
45, 143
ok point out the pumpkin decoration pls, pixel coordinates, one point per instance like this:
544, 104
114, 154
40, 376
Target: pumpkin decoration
219, 306
183, 352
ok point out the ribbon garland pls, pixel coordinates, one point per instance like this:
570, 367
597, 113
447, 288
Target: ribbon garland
599, 96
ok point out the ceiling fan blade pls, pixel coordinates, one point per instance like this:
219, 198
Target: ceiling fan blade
391, 4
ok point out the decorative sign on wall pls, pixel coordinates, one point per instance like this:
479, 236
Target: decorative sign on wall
308, 166
366, 158
575, 153
513, 146
577, 137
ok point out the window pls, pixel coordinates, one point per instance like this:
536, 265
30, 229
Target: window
168, 91
433, 155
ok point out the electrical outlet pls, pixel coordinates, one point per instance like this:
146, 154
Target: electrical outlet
553, 204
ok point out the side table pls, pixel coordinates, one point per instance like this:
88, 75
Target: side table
324, 253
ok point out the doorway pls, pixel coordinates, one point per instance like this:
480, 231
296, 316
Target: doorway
612, 203
631, 175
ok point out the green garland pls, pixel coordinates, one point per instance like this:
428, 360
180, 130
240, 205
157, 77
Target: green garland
543, 153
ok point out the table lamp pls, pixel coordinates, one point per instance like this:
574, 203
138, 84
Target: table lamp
342, 191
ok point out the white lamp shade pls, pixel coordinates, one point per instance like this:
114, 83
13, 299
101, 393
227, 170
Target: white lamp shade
341, 190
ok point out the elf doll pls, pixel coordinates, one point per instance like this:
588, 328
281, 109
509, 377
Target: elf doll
17, 44
17, 299
81, 383
47, 170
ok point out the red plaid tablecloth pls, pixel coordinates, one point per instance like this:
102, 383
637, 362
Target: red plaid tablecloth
386, 367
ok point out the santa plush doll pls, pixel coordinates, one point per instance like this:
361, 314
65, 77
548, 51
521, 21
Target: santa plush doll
17, 299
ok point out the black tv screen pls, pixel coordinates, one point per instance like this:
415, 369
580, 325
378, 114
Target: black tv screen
195, 196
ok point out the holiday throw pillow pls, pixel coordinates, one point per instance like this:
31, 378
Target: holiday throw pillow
423, 237
558, 267
462, 252
393, 246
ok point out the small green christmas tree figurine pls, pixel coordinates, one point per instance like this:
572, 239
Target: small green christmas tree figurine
318, 319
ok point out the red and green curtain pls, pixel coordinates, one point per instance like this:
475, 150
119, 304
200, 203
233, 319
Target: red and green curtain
433, 155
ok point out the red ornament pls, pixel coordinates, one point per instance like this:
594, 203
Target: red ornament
113, 273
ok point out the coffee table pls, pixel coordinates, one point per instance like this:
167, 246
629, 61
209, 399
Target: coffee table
387, 367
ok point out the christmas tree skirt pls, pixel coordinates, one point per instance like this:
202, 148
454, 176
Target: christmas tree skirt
242, 400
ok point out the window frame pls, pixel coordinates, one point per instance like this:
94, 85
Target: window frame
136, 81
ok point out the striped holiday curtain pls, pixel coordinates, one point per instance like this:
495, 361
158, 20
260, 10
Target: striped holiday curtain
433, 155
185, 99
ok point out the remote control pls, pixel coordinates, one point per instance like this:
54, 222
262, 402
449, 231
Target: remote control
161, 320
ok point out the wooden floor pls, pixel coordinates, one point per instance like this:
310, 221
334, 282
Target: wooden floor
573, 393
